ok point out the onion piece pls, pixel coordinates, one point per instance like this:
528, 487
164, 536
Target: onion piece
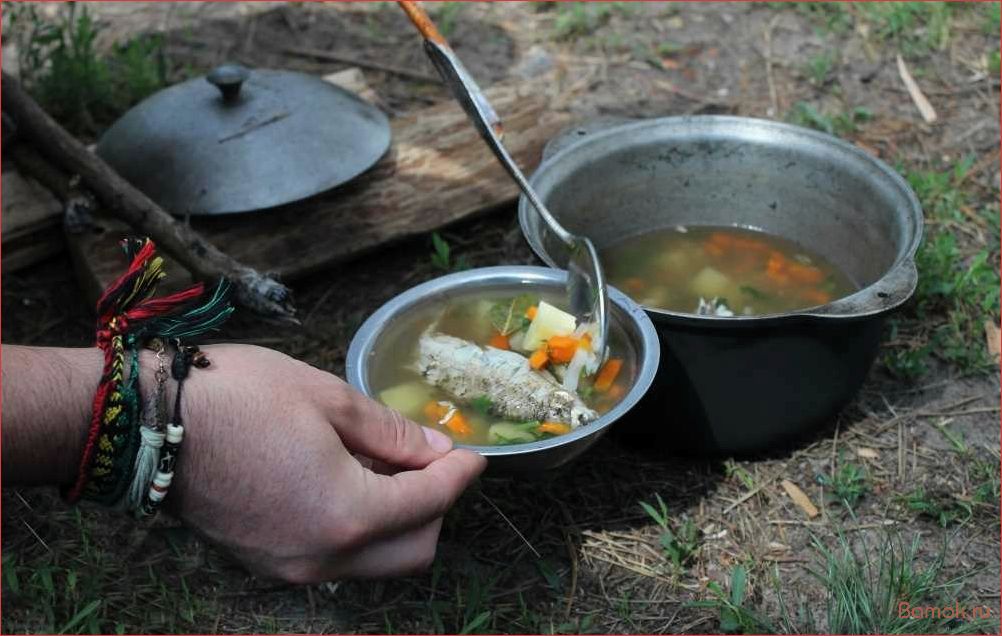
573, 374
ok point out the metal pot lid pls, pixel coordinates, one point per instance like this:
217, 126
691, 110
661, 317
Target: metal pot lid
239, 140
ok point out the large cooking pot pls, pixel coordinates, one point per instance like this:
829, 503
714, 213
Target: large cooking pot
742, 384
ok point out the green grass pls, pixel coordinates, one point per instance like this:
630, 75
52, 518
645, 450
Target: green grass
911, 28
955, 439
838, 123
863, 585
62, 69
819, 67
958, 286
445, 15
848, 485
735, 471
680, 540
827, 17
442, 257
80, 587
992, 16
577, 19
943, 508
987, 490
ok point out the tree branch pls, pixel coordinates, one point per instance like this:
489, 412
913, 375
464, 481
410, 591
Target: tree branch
254, 290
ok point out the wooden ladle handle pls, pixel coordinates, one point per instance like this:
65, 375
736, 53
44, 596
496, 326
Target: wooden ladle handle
422, 21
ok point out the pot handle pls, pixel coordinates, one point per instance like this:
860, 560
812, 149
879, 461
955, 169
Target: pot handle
893, 289
228, 78
573, 134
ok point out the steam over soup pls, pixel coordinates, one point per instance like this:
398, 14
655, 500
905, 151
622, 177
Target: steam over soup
723, 271
501, 369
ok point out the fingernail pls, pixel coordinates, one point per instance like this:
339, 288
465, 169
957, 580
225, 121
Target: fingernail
439, 441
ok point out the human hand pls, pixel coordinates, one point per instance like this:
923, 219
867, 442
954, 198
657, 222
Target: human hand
266, 470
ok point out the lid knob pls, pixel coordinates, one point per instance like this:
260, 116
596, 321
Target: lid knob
228, 78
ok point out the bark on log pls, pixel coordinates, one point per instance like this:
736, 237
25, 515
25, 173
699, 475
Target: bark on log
254, 290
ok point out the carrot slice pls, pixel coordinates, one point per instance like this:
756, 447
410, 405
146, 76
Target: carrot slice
434, 411
805, 273
530, 313
538, 359
561, 349
713, 249
776, 268
721, 239
554, 428
499, 341
607, 374
616, 391
458, 424
775, 264
750, 244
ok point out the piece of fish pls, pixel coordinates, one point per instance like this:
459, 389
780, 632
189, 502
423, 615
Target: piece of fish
467, 371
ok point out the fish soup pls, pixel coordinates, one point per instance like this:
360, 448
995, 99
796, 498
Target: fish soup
722, 271
496, 369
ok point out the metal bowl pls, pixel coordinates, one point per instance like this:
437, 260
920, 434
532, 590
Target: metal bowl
625, 316
743, 384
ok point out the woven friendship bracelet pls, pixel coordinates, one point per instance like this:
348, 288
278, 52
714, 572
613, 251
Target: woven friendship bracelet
122, 441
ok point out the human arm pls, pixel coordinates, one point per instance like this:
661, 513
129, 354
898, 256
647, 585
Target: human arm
266, 468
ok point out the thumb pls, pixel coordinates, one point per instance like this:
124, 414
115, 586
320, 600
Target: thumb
411, 498
380, 433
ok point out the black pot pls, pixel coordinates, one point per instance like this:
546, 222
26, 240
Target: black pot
742, 384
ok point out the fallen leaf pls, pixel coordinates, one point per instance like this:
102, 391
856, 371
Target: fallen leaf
994, 337
670, 64
799, 498
867, 453
925, 108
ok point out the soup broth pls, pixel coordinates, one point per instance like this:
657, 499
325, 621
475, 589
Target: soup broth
499, 324
723, 269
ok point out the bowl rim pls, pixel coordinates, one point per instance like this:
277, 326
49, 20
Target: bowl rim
903, 266
648, 358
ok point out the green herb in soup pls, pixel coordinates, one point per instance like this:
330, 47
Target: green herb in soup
505, 369
722, 271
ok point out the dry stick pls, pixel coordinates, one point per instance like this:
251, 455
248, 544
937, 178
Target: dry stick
364, 63
773, 97
924, 107
509, 522
771, 478
254, 290
851, 433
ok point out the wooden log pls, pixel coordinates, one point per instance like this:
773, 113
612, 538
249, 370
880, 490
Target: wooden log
30, 222
437, 172
202, 258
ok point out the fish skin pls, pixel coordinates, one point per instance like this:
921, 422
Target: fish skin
468, 371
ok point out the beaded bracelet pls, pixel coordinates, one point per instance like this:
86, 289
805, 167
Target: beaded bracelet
184, 357
151, 433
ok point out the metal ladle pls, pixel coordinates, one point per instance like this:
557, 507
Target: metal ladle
588, 299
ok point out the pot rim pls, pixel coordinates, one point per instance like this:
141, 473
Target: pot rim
893, 288
648, 355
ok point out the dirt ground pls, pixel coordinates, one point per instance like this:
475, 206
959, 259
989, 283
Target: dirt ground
591, 559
